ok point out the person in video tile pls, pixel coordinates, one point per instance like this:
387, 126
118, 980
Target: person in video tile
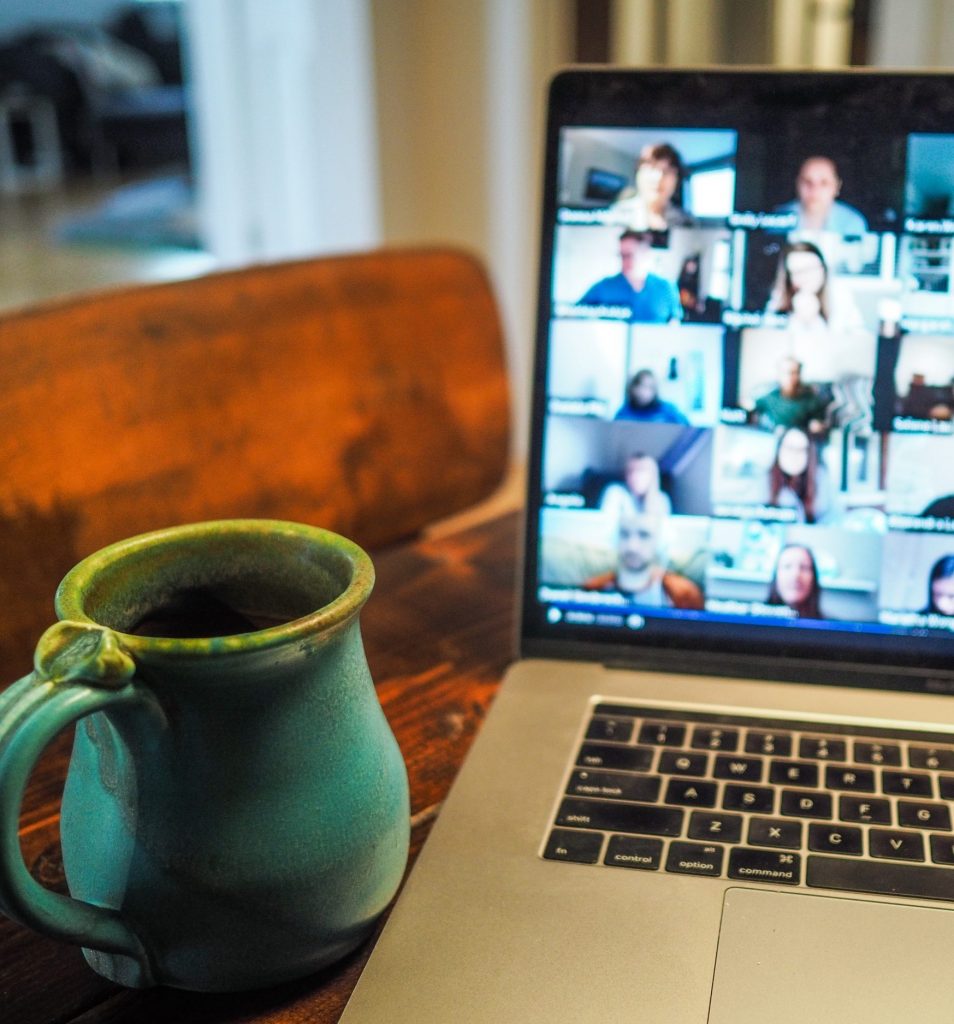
643, 404
639, 570
818, 207
649, 297
640, 491
801, 287
655, 202
797, 479
941, 587
792, 403
795, 582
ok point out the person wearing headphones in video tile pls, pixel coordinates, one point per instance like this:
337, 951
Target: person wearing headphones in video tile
818, 207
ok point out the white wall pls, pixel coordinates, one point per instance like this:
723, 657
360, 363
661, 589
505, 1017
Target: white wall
912, 33
284, 127
461, 89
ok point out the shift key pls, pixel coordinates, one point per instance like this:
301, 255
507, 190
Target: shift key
612, 817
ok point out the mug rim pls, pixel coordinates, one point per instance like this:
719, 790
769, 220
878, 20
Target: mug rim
69, 600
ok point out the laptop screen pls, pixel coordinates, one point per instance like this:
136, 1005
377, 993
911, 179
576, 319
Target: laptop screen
744, 388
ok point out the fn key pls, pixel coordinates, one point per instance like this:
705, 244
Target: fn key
582, 847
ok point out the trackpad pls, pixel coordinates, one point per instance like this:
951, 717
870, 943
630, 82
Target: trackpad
791, 958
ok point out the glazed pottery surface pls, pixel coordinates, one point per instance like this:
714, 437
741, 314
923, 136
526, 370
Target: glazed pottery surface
236, 809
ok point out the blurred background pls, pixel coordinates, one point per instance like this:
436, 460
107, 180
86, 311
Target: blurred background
161, 139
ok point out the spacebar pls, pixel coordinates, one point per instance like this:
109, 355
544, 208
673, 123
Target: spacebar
887, 878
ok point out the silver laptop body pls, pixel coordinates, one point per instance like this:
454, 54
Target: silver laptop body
717, 786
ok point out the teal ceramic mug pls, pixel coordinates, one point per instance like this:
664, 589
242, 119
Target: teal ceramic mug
236, 808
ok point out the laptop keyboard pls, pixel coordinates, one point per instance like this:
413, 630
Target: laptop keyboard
781, 802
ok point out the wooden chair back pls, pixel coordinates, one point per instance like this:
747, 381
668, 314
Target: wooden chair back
365, 393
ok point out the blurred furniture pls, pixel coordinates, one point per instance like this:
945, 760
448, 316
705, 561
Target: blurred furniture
30, 153
116, 89
438, 632
363, 393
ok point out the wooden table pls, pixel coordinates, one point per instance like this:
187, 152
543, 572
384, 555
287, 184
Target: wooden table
439, 631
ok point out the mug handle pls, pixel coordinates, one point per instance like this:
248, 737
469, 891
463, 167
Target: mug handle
80, 669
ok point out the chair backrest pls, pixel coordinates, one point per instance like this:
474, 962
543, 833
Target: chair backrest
364, 393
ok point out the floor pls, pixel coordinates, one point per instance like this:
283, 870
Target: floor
34, 266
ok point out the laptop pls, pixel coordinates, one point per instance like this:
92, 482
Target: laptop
718, 784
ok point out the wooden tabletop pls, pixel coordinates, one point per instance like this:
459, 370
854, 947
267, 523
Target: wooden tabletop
439, 631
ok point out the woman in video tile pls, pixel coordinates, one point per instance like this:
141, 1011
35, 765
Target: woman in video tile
941, 587
640, 490
654, 203
801, 287
797, 479
643, 404
795, 582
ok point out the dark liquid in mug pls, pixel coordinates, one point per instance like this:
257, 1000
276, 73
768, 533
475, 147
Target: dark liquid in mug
200, 613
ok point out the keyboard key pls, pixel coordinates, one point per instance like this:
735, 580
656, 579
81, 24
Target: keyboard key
778, 744
759, 799
742, 769
888, 879
877, 753
869, 810
822, 749
690, 793
859, 779
834, 839
935, 758
895, 845
924, 815
606, 728
582, 847
614, 785
603, 755
715, 738
942, 849
775, 832
803, 804
634, 852
619, 817
673, 762
765, 866
714, 826
906, 784
662, 734
695, 859
794, 773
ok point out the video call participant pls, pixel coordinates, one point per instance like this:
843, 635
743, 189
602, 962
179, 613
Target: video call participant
643, 404
797, 479
650, 298
792, 403
795, 582
801, 286
817, 187
941, 587
639, 571
640, 492
654, 203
